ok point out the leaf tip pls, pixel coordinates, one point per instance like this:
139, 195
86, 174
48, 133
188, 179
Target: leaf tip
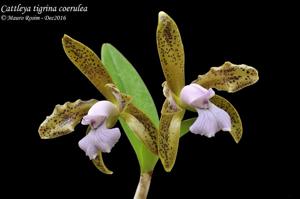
104, 45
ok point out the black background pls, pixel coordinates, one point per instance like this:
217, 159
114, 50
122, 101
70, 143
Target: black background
36, 75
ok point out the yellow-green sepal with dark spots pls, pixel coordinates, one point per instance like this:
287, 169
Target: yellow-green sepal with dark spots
171, 52
228, 77
142, 126
64, 118
236, 122
89, 64
99, 164
169, 134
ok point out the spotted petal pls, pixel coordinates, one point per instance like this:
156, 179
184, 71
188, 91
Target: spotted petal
229, 77
236, 122
99, 164
64, 118
89, 64
171, 52
169, 134
142, 126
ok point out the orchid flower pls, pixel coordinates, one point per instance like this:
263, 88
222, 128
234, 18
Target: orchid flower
129, 102
100, 116
214, 112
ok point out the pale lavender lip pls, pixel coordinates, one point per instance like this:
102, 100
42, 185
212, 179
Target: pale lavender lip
100, 138
211, 119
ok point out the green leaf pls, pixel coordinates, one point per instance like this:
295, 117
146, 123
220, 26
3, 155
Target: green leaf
128, 81
185, 126
147, 159
136, 119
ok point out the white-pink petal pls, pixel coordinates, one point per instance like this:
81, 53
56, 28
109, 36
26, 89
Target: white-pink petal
103, 108
223, 118
210, 121
196, 96
100, 139
105, 139
205, 124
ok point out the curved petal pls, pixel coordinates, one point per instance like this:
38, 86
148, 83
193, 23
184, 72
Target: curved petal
142, 126
88, 63
98, 160
64, 118
122, 99
169, 95
210, 121
196, 96
169, 134
222, 117
229, 77
99, 163
171, 52
237, 127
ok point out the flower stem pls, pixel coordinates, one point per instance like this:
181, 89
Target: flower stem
143, 186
